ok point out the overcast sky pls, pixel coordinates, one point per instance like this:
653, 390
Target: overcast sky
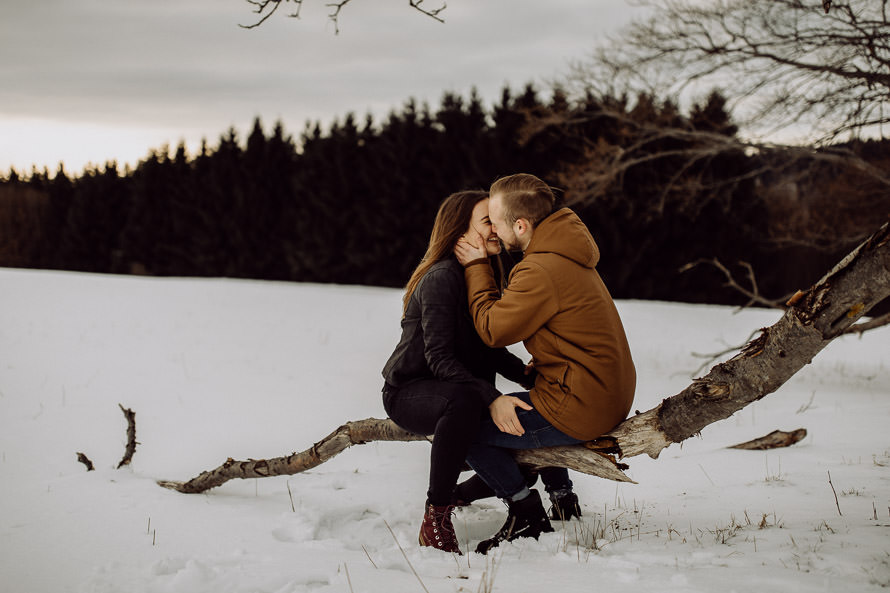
87, 81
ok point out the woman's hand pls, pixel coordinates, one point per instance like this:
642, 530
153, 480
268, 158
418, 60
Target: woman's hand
503, 412
470, 247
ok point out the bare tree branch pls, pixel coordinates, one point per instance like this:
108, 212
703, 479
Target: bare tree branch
432, 13
824, 75
864, 326
262, 5
266, 8
753, 293
714, 356
605, 164
351, 433
755, 298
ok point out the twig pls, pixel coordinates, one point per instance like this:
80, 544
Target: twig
754, 297
835, 496
434, 13
411, 566
753, 294
261, 6
336, 7
709, 358
706, 475
365, 550
872, 323
348, 580
807, 405
131, 436
86, 461
334, 14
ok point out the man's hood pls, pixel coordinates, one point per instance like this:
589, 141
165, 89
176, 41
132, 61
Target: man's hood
564, 234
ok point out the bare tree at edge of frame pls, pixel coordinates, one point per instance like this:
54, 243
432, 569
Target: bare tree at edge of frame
790, 64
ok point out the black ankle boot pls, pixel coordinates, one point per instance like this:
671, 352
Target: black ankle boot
565, 505
525, 518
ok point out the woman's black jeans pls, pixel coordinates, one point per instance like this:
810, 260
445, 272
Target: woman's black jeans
452, 413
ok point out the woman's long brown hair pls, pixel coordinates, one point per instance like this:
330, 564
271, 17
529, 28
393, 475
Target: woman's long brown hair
452, 221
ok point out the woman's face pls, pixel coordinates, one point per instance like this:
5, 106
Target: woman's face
480, 223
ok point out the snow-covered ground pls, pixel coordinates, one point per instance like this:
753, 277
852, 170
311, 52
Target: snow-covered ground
223, 368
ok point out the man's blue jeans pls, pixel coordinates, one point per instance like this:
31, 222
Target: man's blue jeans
490, 457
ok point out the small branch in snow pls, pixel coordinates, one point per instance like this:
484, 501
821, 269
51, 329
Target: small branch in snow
835, 496
131, 436
85, 460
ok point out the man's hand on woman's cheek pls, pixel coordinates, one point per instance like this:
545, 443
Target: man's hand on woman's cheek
469, 248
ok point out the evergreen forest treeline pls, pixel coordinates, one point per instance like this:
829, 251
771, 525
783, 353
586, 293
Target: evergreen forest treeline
355, 204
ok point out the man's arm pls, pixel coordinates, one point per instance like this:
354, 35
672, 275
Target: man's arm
528, 302
476, 264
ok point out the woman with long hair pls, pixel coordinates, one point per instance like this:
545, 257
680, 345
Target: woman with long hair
440, 378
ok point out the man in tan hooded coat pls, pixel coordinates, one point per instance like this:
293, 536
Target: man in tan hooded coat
556, 304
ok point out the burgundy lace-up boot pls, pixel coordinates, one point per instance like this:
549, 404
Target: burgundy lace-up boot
437, 531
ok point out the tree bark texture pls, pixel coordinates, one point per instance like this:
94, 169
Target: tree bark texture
813, 319
356, 432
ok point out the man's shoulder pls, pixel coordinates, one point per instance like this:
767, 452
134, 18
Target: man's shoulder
537, 263
551, 269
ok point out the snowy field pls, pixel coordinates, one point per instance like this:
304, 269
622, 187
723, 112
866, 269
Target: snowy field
223, 368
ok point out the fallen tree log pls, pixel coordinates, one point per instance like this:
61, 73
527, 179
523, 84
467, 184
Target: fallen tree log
813, 319
359, 432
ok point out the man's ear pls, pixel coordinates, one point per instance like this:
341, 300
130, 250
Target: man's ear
523, 227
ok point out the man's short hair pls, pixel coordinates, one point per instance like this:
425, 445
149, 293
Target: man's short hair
524, 196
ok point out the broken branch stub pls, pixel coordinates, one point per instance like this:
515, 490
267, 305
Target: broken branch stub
131, 436
774, 440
